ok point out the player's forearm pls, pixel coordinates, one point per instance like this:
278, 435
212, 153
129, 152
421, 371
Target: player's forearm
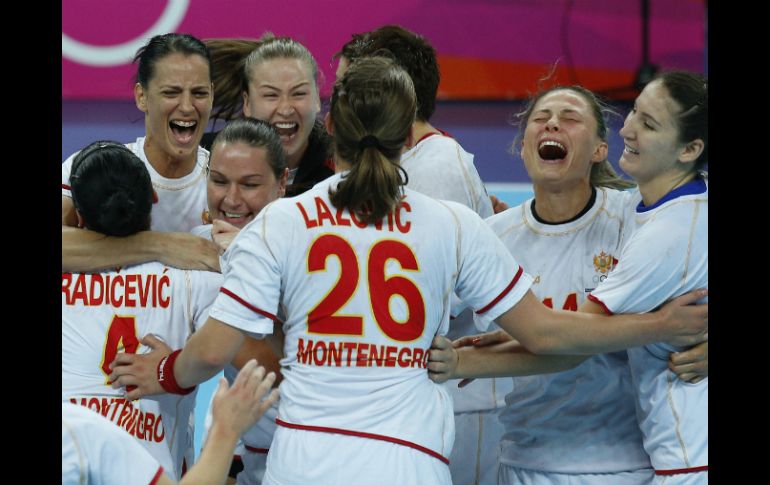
546, 331
207, 352
84, 250
584, 333
509, 359
215, 459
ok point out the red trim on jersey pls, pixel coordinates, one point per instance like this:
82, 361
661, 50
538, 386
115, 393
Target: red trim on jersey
505, 291
65, 186
360, 434
257, 450
600, 303
247, 304
428, 135
680, 471
157, 475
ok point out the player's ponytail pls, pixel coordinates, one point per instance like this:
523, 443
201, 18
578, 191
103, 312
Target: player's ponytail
372, 111
111, 189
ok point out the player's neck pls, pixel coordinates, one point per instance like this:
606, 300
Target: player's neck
558, 206
654, 189
167, 166
419, 130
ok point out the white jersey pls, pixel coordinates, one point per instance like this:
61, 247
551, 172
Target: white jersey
582, 420
666, 257
109, 312
96, 452
362, 305
439, 167
181, 201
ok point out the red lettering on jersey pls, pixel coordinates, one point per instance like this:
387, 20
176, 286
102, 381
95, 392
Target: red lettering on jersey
350, 347
323, 212
319, 360
417, 357
335, 354
376, 354
146, 289
149, 424
159, 427
130, 290
341, 221
362, 359
164, 302
66, 279
401, 361
571, 303
303, 353
357, 222
403, 227
96, 289
308, 223
115, 301
390, 359
79, 293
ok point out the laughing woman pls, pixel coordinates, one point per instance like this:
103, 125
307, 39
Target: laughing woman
174, 91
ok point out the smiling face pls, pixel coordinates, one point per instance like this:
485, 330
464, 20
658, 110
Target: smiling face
650, 134
177, 103
560, 142
283, 93
241, 182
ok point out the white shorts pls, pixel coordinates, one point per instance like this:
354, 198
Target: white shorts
309, 457
509, 475
476, 452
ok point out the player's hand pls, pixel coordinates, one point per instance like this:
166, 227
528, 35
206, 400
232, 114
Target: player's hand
238, 407
480, 340
186, 251
686, 323
442, 359
223, 234
498, 205
140, 371
691, 365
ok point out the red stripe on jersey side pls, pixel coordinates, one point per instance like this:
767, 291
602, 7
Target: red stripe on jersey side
505, 291
247, 304
257, 450
680, 471
600, 303
66, 187
360, 434
157, 476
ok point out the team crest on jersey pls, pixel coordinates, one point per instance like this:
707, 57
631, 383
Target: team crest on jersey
603, 263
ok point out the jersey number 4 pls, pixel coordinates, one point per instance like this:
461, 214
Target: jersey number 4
121, 336
323, 319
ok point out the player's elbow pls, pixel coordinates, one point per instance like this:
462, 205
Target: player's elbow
213, 358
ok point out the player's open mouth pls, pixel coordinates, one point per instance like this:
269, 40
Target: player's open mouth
183, 131
286, 130
551, 150
631, 150
238, 220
